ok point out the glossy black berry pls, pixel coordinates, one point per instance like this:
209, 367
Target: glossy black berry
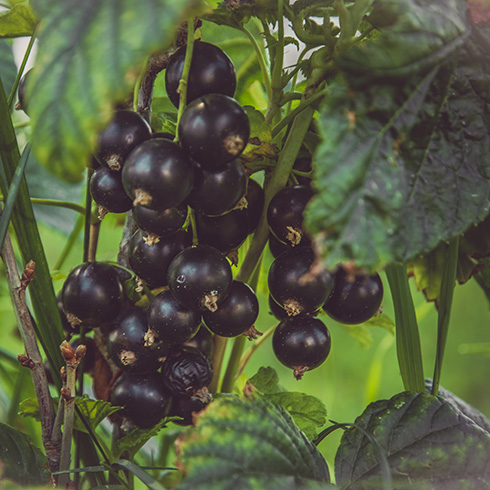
214, 129
211, 72
187, 372
158, 174
225, 232
125, 132
108, 192
127, 344
169, 321
280, 313
301, 343
92, 294
150, 256
203, 341
355, 297
285, 214
185, 407
236, 314
277, 247
90, 352
160, 222
298, 283
143, 396
200, 277
216, 192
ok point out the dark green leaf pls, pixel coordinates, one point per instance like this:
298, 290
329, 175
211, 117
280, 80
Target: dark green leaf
90, 55
429, 444
249, 444
21, 462
18, 21
475, 415
137, 438
483, 276
8, 70
403, 166
427, 269
413, 35
43, 184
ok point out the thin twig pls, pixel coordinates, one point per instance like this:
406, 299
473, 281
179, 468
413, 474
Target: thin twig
32, 359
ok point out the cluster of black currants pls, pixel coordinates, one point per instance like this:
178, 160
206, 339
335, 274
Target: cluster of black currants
159, 180
300, 287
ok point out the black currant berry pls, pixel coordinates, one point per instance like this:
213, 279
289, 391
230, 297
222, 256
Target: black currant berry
214, 129
297, 283
185, 407
216, 192
160, 222
200, 277
285, 213
124, 133
92, 294
355, 297
149, 256
225, 232
203, 341
143, 396
108, 192
127, 343
89, 357
169, 321
21, 92
158, 174
211, 72
276, 247
236, 314
188, 372
301, 343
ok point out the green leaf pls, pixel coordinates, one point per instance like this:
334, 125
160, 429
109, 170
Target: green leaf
413, 36
308, 412
475, 415
18, 21
95, 411
140, 473
396, 172
427, 269
249, 444
236, 14
20, 460
429, 443
137, 438
8, 69
90, 55
260, 141
266, 381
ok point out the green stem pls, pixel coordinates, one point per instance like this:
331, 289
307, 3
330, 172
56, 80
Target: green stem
55, 203
250, 351
219, 349
182, 90
88, 216
407, 333
261, 59
278, 180
301, 107
444, 312
10, 100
